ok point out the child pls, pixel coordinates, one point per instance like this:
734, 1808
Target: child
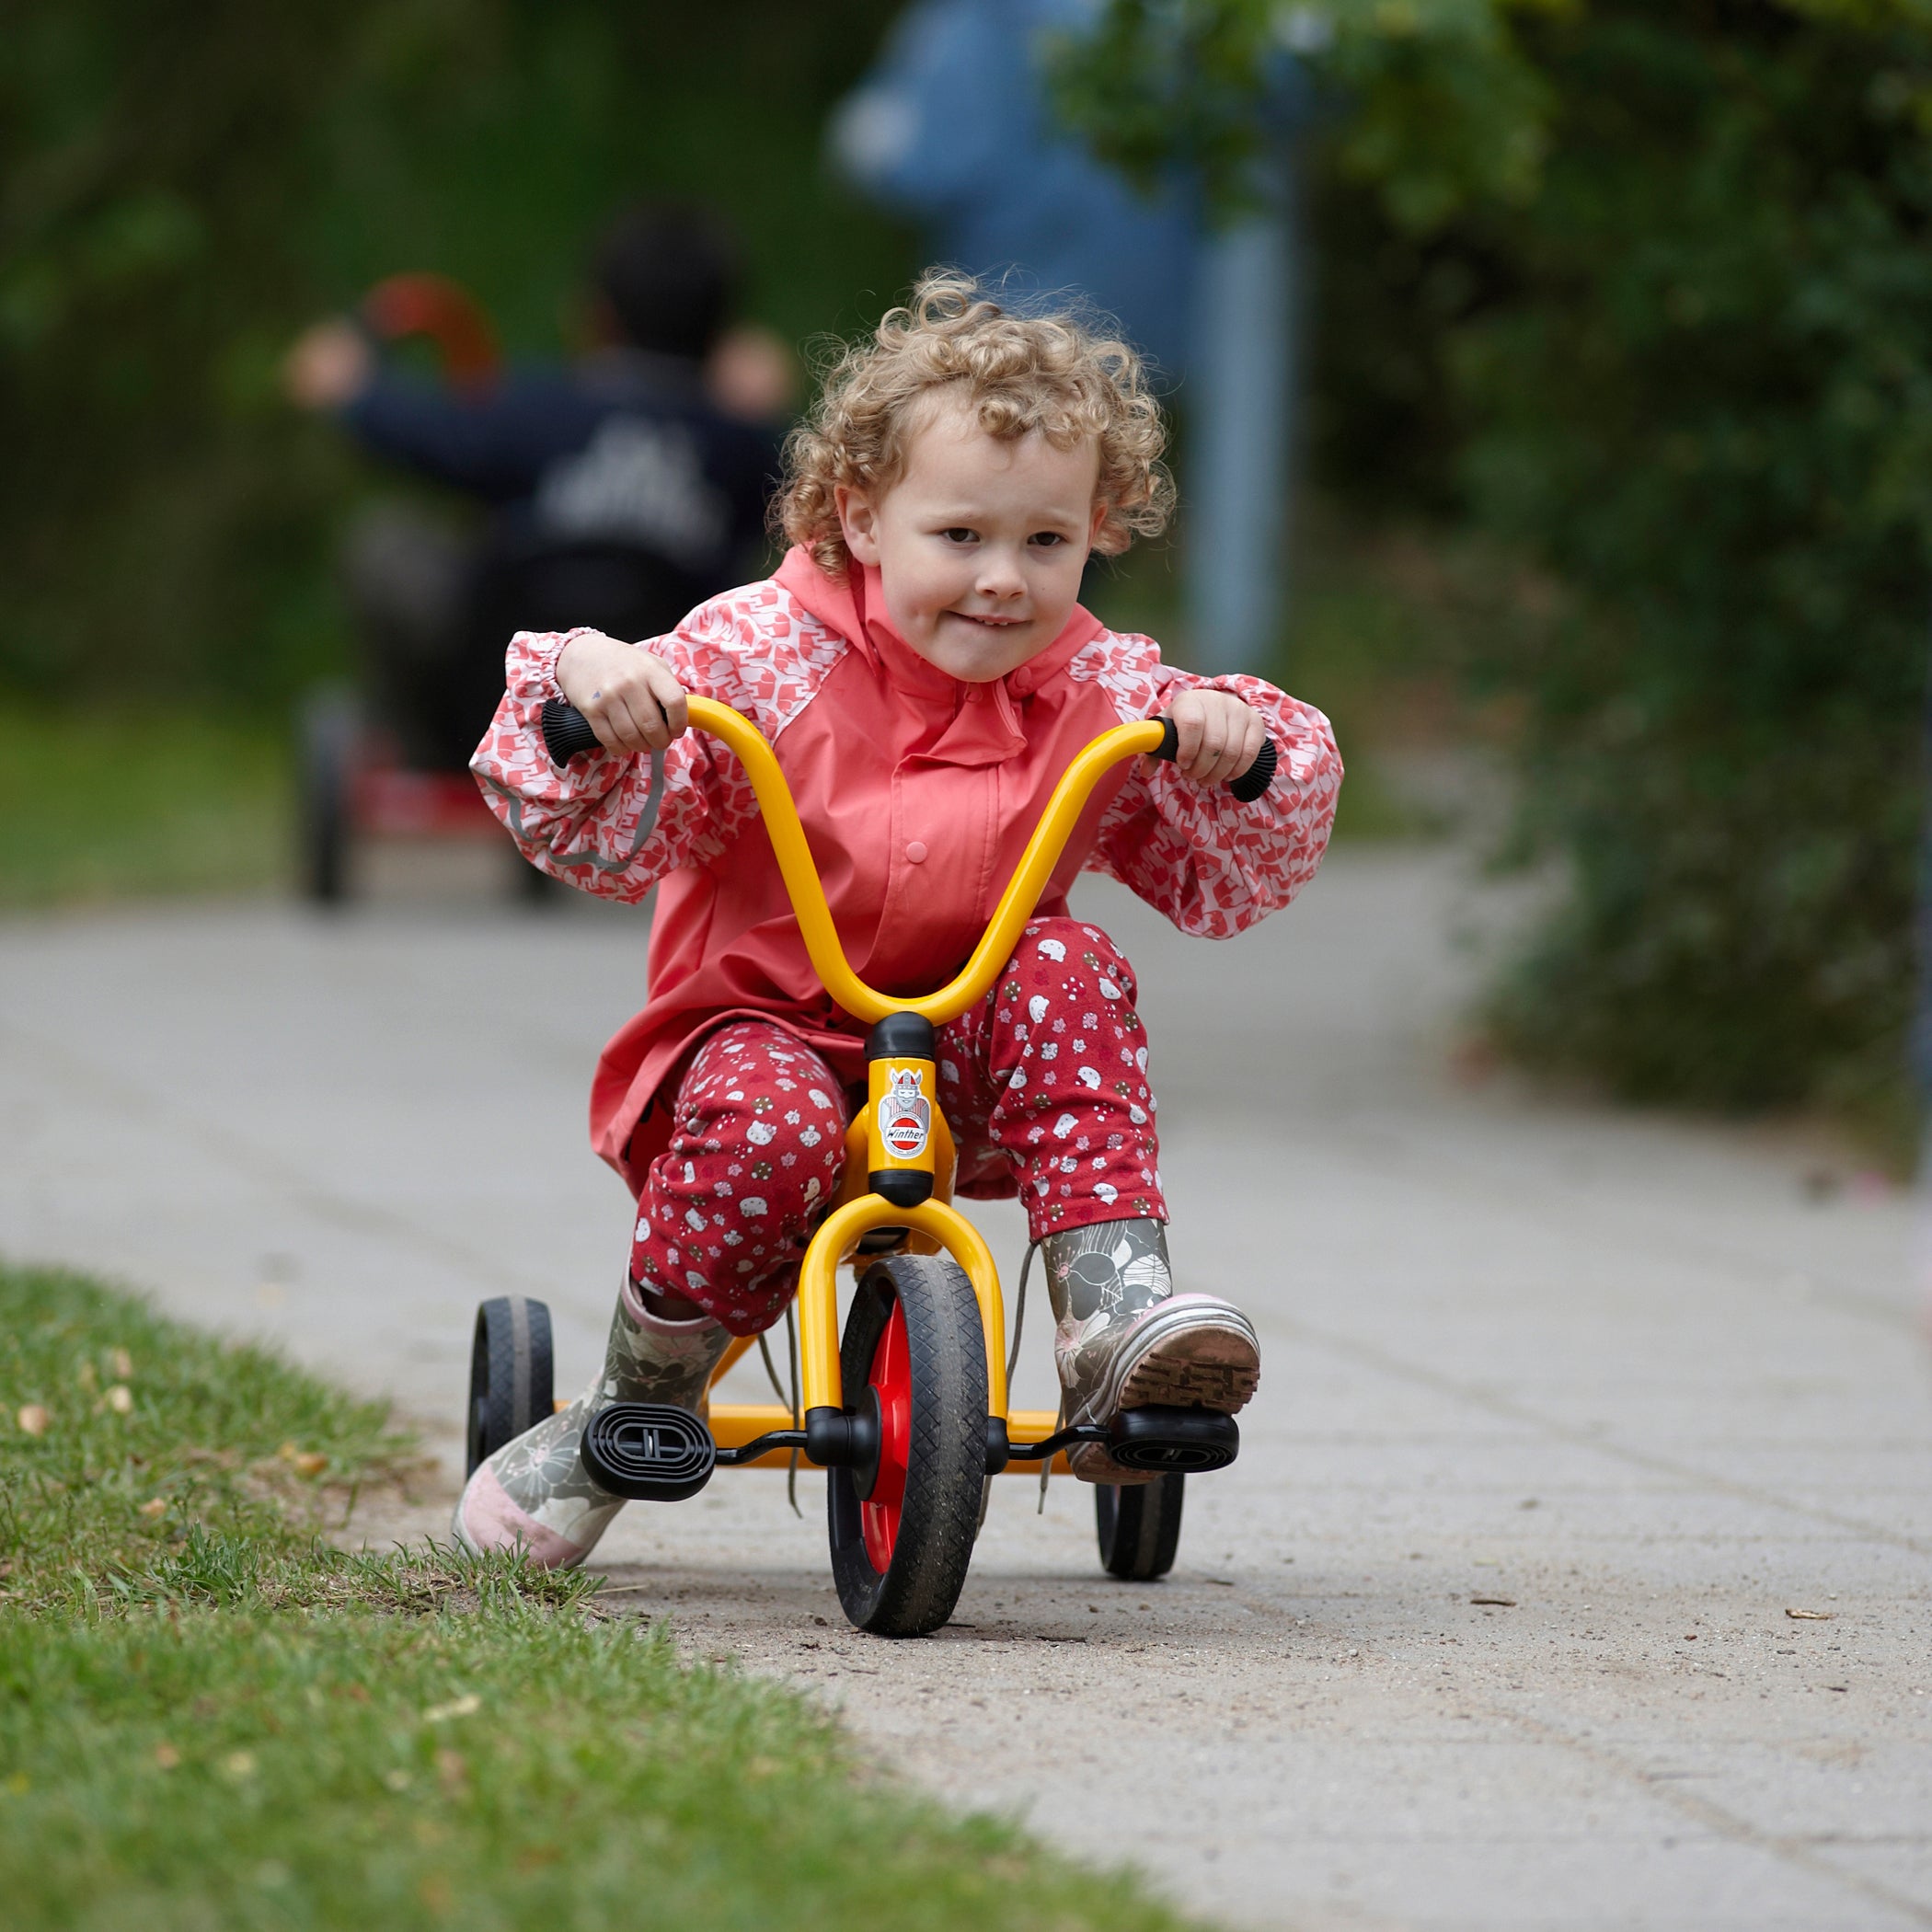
925, 673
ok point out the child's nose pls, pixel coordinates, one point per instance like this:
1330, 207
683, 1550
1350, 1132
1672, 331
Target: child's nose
1000, 575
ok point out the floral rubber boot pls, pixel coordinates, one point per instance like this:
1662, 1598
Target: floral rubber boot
1122, 1339
535, 1490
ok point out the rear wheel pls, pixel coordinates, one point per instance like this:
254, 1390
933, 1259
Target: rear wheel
1140, 1526
903, 1527
329, 731
533, 888
511, 1381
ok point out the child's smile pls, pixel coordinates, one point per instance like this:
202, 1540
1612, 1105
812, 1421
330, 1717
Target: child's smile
979, 544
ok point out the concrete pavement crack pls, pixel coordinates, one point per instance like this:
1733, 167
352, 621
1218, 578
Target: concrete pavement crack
1559, 1205
1793, 1848
1393, 1365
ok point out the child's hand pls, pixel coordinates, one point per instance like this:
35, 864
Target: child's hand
1220, 737
633, 700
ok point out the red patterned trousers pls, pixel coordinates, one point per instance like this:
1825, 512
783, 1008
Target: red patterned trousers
1044, 1084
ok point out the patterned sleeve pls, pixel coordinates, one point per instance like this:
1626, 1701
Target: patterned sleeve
1213, 866
612, 824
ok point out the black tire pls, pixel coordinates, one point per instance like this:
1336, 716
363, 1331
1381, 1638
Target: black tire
533, 889
945, 1458
1140, 1526
330, 733
511, 1376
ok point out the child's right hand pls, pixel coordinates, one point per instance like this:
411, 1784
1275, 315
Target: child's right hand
632, 699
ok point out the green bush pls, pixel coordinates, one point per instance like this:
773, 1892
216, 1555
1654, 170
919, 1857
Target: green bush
1642, 287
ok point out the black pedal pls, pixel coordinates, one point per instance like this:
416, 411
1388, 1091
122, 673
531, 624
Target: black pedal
649, 1450
1174, 1440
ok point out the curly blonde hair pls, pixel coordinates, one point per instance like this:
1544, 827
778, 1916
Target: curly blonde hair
1017, 371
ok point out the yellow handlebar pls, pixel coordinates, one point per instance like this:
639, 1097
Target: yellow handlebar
1017, 902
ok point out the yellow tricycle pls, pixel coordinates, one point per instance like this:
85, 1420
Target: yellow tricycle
908, 1413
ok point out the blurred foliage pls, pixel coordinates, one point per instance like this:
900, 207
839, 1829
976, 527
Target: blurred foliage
182, 187
1442, 108
1377, 622
1643, 289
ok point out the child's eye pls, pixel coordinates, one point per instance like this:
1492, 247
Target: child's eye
1047, 539
960, 537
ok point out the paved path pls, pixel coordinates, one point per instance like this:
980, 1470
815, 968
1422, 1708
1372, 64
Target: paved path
1646, 1386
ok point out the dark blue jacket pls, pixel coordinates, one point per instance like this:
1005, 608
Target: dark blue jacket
625, 448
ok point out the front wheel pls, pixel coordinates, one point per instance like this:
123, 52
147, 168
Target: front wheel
1140, 1526
902, 1527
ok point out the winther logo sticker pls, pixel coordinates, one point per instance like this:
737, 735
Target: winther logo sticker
905, 1115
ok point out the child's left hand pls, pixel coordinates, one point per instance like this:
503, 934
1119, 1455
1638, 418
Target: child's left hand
1220, 737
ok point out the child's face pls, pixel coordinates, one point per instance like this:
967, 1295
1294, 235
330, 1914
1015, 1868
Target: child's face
979, 544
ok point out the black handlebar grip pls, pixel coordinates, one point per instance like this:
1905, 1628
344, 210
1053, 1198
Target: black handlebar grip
1248, 787
1258, 778
566, 731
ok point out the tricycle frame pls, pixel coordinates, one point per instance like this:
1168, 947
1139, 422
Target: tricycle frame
920, 1184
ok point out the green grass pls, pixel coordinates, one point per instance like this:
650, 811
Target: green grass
210, 1719
138, 805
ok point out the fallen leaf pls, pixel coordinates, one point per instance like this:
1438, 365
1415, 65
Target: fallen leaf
154, 1506
310, 1464
1500, 1602
33, 1420
466, 1707
121, 1399
166, 1757
122, 1363
1811, 1617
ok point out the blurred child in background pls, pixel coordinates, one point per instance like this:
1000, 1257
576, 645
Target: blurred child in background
618, 491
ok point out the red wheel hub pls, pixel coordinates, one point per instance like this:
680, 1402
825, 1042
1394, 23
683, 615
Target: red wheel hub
890, 1377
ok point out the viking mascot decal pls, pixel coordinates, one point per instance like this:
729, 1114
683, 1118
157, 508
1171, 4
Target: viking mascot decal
905, 1115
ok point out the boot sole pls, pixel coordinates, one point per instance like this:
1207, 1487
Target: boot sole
1204, 1357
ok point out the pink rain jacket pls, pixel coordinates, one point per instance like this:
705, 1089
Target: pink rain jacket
918, 793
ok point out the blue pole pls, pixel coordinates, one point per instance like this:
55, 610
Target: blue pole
1239, 397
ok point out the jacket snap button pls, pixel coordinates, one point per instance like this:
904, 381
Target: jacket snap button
916, 852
